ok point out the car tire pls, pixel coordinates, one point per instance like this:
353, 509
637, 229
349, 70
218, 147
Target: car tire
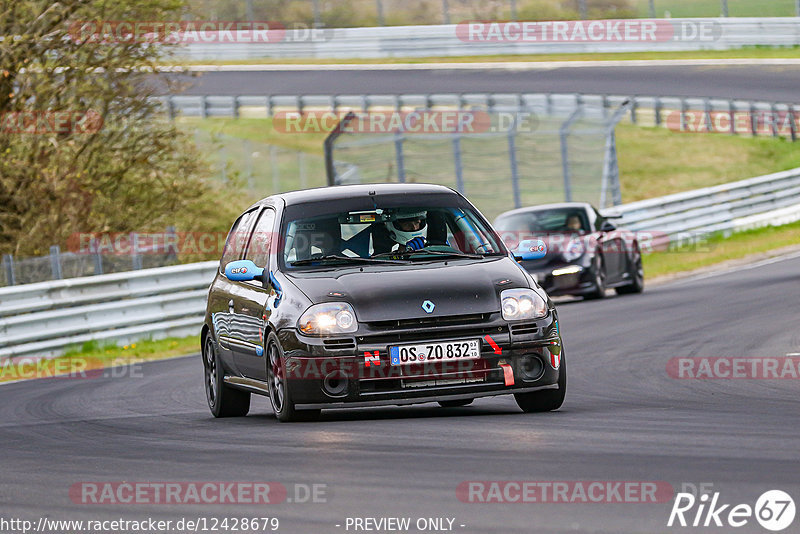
599, 269
223, 400
636, 273
455, 403
546, 400
280, 391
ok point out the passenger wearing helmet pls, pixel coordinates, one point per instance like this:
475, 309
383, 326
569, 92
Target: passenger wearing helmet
408, 228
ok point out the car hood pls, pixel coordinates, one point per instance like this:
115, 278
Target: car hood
394, 293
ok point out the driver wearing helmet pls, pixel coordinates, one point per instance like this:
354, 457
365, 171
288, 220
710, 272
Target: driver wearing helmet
408, 228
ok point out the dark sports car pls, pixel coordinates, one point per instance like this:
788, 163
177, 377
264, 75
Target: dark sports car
586, 252
375, 295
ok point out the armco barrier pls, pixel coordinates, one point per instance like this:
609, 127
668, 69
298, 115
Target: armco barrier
686, 114
446, 40
41, 319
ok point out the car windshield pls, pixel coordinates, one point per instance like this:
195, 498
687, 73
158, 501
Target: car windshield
546, 221
385, 230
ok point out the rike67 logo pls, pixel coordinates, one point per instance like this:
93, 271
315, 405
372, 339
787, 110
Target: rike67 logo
774, 510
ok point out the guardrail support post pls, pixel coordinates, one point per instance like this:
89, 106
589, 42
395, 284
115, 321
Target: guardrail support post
725, 8
98, 258
136, 258
753, 119
55, 262
582, 9
445, 12
634, 108
774, 120
514, 9
379, 6
707, 115
235, 107
793, 118
653, 9
8, 266
683, 115
658, 106
204, 106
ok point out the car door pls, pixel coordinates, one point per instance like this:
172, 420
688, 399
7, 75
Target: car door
252, 311
613, 248
221, 298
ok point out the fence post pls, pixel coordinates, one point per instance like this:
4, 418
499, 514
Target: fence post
512, 160
171, 244
8, 265
725, 8
658, 106
582, 9
458, 164
248, 155
204, 106
514, 9
563, 134
235, 107
774, 120
379, 5
792, 119
273, 159
653, 9
797, 7
445, 12
171, 106
732, 116
55, 262
315, 8
753, 119
301, 164
707, 115
401, 166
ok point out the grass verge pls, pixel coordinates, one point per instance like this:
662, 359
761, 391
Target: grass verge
718, 249
754, 52
89, 359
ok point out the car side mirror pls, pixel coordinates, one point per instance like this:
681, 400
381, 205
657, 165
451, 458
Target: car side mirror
531, 249
243, 271
607, 227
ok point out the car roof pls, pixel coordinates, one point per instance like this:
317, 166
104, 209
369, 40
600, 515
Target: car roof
540, 207
341, 192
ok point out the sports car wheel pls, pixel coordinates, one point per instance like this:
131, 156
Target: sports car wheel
636, 273
223, 400
599, 269
546, 400
279, 387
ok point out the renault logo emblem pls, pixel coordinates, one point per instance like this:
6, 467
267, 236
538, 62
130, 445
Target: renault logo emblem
428, 306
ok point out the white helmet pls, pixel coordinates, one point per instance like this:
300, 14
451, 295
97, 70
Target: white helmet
403, 215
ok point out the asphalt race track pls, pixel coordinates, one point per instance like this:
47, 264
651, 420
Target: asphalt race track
768, 83
624, 419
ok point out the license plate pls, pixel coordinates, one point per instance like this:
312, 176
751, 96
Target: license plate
435, 352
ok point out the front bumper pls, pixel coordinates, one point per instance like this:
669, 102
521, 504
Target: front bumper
566, 279
344, 372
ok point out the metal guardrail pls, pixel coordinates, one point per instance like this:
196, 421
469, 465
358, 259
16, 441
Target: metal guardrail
678, 113
452, 40
42, 319
773, 199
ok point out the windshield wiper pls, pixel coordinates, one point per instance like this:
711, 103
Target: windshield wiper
349, 259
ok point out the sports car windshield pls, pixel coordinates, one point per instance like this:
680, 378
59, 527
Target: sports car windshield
545, 221
384, 232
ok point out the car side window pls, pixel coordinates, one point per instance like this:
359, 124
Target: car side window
237, 239
259, 248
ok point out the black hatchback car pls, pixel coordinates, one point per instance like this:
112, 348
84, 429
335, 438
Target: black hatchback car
369, 295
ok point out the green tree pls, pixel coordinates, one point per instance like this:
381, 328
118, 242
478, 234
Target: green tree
116, 163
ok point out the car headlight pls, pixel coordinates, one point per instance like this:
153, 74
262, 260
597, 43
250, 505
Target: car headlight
518, 304
573, 250
328, 318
